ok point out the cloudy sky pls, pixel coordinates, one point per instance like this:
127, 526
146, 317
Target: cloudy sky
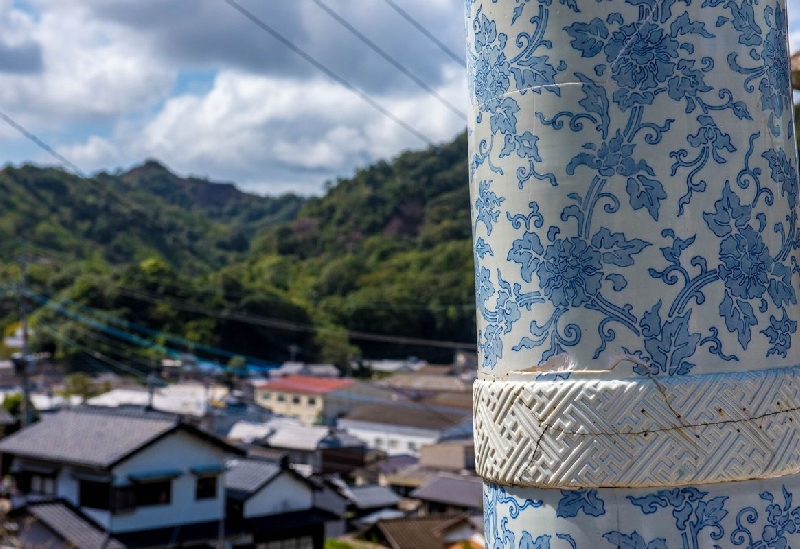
196, 85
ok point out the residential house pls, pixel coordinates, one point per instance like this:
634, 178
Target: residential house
448, 456
269, 503
342, 401
187, 399
450, 495
378, 471
138, 476
366, 504
428, 533
324, 449
303, 369
302, 397
390, 366
418, 387
403, 428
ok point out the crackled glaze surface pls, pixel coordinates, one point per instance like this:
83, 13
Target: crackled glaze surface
634, 185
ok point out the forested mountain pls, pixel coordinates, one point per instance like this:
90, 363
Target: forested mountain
387, 251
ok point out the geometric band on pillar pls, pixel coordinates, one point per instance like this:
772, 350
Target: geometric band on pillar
638, 432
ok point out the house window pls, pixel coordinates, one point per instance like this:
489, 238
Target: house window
281, 398
393, 444
94, 495
43, 485
124, 498
412, 446
154, 493
266, 396
378, 443
312, 401
206, 487
295, 399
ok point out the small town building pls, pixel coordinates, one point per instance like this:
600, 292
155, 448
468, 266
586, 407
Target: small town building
464, 532
116, 471
270, 503
301, 397
450, 495
403, 428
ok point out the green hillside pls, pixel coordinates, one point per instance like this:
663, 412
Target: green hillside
387, 251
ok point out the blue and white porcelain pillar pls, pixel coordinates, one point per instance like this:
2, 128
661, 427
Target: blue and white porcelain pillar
635, 209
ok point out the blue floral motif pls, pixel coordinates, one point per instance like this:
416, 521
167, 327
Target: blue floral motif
783, 172
745, 263
583, 256
782, 520
642, 56
773, 69
779, 334
570, 272
574, 501
486, 205
699, 520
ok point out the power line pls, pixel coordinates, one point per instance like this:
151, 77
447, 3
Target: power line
405, 15
95, 354
292, 326
289, 44
111, 319
41, 144
389, 59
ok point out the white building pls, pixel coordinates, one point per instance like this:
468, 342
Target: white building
403, 428
127, 473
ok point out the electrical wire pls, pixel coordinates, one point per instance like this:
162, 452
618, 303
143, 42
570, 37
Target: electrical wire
291, 326
405, 15
302, 53
41, 144
388, 58
125, 324
134, 207
94, 354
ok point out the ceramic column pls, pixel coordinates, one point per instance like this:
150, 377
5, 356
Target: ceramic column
634, 199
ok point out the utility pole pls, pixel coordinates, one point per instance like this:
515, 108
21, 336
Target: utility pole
636, 223
22, 363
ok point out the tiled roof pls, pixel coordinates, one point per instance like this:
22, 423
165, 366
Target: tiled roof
66, 522
6, 418
408, 415
305, 384
245, 477
459, 491
413, 533
95, 436
86, 436
427, 383
372, 497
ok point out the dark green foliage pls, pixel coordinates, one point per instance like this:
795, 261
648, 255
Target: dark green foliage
387, 251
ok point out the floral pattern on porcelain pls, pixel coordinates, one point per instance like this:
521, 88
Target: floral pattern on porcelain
660, 178
685, 518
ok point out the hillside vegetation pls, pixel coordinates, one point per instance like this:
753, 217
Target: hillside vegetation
387, 251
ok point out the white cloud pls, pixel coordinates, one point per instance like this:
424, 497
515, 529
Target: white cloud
274, 134
91, 71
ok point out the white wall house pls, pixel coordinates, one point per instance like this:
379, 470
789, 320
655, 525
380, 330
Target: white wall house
403, 428
129, 471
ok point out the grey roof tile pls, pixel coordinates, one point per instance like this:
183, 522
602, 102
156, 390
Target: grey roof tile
409, 415
85, 436
372, 497
68, 524
460, 491
246, 476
